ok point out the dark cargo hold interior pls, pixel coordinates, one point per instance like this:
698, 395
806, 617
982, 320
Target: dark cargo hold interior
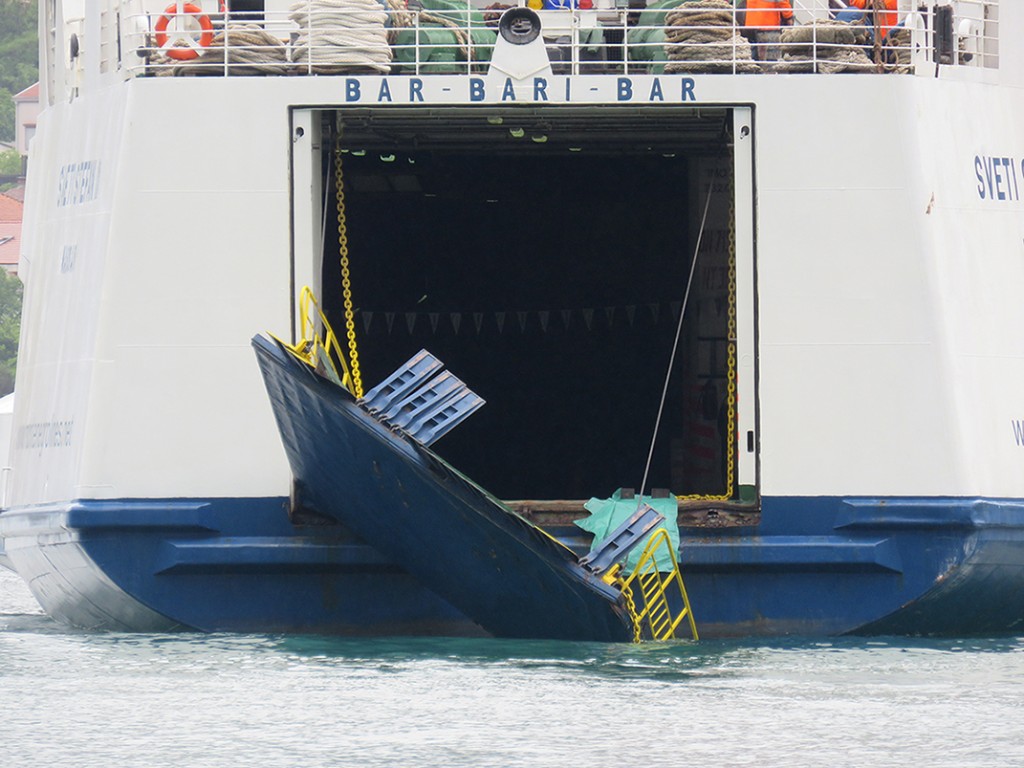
544, 259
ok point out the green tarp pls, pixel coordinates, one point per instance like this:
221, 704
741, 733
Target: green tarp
441, 50
608, 514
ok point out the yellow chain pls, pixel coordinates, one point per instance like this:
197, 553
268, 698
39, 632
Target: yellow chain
731, 437
627, 592
346, 281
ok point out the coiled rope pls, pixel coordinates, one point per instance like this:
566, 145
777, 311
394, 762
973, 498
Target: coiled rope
702, 36
402, 17
824, 45
336, 35
249, 49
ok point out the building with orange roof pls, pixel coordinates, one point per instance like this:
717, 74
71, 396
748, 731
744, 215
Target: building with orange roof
26, 111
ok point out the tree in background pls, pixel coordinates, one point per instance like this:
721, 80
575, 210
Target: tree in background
19, 57
7, 112
10, 323
10, 163
19, 68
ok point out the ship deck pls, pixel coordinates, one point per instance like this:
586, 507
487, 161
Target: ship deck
580, 37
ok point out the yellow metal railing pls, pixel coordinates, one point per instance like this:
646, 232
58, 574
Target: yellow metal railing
665, 604
316, 350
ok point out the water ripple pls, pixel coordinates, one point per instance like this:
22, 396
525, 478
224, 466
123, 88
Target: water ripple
222, 700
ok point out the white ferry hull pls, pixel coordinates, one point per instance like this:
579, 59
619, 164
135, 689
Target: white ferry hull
877, 227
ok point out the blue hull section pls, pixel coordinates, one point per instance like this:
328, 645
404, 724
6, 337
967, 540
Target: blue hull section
500, 570
233, 565
815, 566
866, 566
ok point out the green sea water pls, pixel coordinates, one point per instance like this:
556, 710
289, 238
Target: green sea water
70, 698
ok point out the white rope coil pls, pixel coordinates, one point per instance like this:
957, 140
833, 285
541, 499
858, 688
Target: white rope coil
338, 35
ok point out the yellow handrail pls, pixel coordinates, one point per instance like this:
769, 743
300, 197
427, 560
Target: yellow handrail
659, 617
318, 351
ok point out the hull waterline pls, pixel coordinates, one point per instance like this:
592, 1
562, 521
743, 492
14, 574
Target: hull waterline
887, 566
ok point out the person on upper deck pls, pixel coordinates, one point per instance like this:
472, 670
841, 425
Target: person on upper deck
887, 19
762, 22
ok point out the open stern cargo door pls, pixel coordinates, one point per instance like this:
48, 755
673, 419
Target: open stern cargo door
544, 253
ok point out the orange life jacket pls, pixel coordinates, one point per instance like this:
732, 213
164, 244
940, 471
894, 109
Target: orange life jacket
887, 19
763, 14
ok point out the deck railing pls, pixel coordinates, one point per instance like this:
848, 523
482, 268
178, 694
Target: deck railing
389, 36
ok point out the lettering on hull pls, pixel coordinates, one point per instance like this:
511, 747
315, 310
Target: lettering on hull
649, 89
999, 178
68, 255
78, 183
45, 434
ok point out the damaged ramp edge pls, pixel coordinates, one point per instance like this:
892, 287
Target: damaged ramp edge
500, 570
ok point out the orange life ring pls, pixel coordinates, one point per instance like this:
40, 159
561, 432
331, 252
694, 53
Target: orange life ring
205, 35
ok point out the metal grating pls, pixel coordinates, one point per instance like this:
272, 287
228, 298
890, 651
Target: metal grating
422, 399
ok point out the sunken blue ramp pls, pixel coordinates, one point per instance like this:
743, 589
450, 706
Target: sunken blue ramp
504, 573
